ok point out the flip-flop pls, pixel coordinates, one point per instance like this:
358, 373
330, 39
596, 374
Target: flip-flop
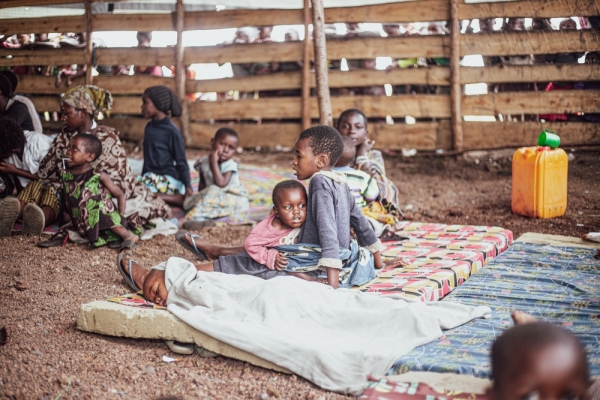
390, 236
9, 212
116, 244
202, 352
34, 220
180, 237
127, 276
180, 348
128, 245
58, 239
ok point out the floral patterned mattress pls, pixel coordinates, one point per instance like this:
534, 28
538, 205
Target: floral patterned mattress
556, 284
441, 258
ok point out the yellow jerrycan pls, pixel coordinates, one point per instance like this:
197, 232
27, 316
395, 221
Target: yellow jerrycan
539, 182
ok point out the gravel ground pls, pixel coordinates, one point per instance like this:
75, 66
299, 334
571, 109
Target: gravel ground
46, 357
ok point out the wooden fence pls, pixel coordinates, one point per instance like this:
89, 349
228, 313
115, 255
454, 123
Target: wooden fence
440, 134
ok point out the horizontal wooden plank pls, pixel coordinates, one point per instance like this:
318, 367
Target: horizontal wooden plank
492, 135
122, 105
337, 79
41, 57
135, 84
529, 9
510, 43
437, 106
557, 101
43, 25
518, 43
25, 3
530, 73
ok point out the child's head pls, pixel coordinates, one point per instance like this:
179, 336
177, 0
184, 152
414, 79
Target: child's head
225, 142
486, 24
289, 203
353, 123
159, 101
144, 39
349, 153
13, 139
391, 29
538, 361
318, 148
515, 24
12, 78
567, 24
84, 149
592, 57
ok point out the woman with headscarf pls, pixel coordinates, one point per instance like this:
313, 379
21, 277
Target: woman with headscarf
80, 106
166, 171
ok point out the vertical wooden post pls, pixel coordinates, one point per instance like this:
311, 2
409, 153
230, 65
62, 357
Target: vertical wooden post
318, 17
455, 89
89, 46
306, 68
180, 73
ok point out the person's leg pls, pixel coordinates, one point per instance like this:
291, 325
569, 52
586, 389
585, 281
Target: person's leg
213, 251
172, 199
125, 234
49, 214
307, 277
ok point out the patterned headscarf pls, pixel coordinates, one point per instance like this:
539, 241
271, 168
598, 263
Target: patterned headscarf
90, 99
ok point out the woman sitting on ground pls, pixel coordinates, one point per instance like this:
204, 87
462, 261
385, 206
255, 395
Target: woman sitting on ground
79, 107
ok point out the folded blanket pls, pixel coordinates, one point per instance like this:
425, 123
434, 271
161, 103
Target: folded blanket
334, 338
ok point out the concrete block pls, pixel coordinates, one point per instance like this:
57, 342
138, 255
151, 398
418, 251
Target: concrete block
113, 319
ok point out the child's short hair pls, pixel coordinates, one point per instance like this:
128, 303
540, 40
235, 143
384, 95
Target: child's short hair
226, 131
12, 135
91, 144
12, 78
513, 351
324, 139
286, 185
352, 111
349, 153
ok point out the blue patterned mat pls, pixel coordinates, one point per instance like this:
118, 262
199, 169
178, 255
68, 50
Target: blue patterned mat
556, 284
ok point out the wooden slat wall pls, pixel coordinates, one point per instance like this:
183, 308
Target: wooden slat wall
409, 11
422, 135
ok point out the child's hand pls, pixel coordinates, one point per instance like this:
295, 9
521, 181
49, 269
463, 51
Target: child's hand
395, 263
281, 262
214, 156
188, 192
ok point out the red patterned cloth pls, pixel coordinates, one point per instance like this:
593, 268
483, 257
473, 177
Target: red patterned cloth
390, 390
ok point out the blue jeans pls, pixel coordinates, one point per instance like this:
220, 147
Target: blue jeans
358, 265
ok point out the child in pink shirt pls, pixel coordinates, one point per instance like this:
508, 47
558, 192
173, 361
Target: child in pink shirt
281, 227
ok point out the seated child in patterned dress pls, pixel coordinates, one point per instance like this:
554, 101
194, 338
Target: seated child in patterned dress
220, 192
88, 196
166, 171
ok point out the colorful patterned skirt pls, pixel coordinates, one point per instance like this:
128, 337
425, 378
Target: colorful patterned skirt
163, 184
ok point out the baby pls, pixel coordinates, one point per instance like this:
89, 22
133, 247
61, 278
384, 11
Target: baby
538, 361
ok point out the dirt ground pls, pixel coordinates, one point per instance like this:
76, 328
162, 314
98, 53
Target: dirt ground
46, 357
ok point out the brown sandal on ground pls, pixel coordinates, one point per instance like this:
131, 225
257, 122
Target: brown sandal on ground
128, 245
389, 236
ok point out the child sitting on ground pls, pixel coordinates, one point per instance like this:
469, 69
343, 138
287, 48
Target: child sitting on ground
385, 209
166, 171
220, 192
88, 196
538, 360
21, 153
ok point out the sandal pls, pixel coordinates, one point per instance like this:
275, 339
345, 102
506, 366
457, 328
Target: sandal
58, 239
9, 212
115, 245
128, 245
34, 220
180, 237
202, 352
390, 236
128, 276
179, 347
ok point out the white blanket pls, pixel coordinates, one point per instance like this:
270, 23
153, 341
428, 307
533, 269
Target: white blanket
334, 338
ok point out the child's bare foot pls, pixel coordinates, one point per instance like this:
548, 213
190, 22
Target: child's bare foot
522, 318
211, 251
307, 277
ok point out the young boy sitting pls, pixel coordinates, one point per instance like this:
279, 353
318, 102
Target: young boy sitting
21, 153
537, 360
88, 196
330, 213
